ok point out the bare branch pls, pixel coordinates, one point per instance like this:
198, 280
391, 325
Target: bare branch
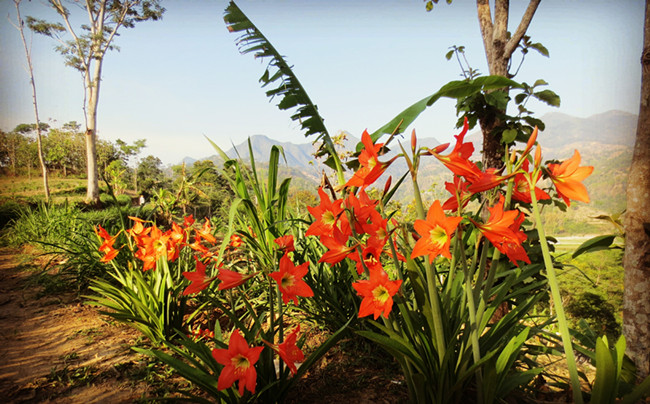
522, 28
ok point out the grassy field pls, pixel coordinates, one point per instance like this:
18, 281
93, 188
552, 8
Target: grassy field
32, 188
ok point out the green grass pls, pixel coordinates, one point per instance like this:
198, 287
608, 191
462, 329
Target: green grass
32, 188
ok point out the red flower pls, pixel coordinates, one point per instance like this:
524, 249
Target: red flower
239, 364
482, 181
337, 247
435, 233
288, 351
231, 279
153, 246
458, 190
327, 215
235, 241
370, 253
521, 190
289, 279
567, 178
458, 159
188, 221
377, 293
138, 228
363, 211
285, 243
370, 167
206, 232
199, 280
107, 244
503, 231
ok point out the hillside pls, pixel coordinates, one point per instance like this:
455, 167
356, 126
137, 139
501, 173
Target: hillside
604, 140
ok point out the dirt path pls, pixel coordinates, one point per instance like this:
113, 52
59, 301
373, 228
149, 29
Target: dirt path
54, 349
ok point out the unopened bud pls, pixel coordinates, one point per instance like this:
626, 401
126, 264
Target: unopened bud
414, 141
538, 157
387, 185
531, 141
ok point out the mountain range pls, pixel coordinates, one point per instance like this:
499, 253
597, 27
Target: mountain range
604, 140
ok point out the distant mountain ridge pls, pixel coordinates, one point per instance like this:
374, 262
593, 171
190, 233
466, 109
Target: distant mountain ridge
562, 134
604, 141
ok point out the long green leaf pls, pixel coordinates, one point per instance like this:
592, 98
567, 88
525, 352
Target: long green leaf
595, 244
453, 89
279, 73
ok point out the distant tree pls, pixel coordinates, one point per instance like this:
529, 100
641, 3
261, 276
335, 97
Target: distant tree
27, 152
64, 148
107, 152
126, 151
117, 176
636, 299
86, 52
150, 174
39, 141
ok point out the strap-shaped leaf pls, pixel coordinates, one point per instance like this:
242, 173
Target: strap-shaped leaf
453, 89
285, 84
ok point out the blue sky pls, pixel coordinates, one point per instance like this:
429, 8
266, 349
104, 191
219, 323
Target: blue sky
362, 61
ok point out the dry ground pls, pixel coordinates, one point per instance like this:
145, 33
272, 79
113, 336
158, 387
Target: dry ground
55, 349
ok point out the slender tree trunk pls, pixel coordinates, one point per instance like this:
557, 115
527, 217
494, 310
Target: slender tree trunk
636, 298
92, 195
39, 141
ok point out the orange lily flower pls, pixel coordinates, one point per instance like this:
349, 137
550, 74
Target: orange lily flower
289, 279
327, 215
503, 231
370, 167
458, 190
435, 233
567, 178
285, 243
239, 364
458, 159
206, 232
199, 280
235, 241
377, 293
337, 247
521, 190
231, 279
289, 351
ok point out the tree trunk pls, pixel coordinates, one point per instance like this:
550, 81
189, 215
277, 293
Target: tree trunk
498, 51
92, 195
636, 298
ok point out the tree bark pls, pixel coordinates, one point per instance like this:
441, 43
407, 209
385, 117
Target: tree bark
636, 298
498, 51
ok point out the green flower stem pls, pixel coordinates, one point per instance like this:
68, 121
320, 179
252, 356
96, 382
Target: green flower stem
557, 302
469, 292
432, 288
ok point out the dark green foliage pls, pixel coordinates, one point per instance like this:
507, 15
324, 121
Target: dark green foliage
598, 313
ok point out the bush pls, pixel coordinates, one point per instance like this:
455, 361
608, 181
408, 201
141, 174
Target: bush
598, 313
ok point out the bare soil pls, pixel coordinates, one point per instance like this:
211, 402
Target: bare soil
55, 349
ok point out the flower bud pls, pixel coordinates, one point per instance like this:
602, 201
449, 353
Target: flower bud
414, 142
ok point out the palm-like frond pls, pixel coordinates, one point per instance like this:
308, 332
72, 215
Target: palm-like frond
286, 85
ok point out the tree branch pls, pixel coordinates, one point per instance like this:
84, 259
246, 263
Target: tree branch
485, 22
522, 28
501, 11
